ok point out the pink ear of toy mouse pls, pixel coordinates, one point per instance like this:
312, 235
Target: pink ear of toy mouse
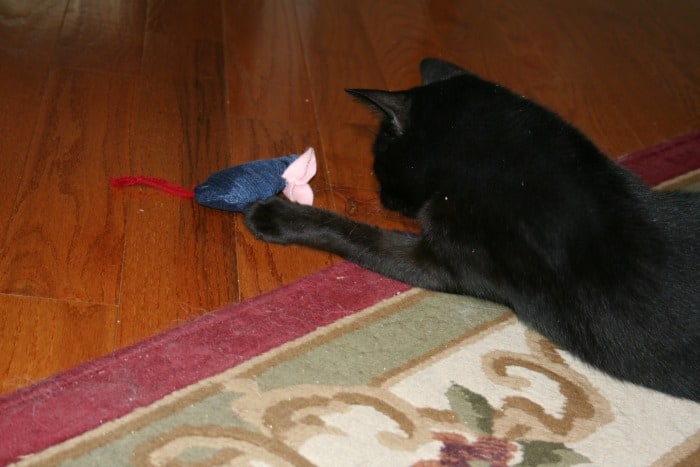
298, 175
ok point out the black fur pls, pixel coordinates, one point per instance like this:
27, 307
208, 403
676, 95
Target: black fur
519, 207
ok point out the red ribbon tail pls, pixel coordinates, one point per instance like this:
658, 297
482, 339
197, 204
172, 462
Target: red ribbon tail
157, 183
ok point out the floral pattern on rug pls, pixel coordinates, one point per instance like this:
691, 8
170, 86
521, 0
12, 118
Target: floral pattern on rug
422, 379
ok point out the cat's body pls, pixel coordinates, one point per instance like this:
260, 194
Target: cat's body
519, 207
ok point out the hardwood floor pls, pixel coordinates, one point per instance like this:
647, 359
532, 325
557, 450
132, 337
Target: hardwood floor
179, 89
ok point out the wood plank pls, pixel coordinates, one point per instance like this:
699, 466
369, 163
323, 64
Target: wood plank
180, 257
40, 337
401, 35
466, 32
339, 55
105, 36
66, 233
198, 19
28, 32
19, 110
348, 149
265, 65
181, 132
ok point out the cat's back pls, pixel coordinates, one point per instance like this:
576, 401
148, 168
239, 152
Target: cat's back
652, 333
677, 214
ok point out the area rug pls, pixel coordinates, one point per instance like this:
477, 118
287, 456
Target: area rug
346, 367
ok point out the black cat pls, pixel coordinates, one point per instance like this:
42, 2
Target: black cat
517, 206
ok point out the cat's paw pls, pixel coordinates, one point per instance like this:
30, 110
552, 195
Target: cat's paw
272, 220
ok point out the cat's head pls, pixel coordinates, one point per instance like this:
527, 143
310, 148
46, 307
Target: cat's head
413, 122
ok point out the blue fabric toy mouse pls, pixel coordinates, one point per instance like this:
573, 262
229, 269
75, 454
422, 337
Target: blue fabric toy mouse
236, 188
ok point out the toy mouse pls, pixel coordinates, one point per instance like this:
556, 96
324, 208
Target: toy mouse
236, 188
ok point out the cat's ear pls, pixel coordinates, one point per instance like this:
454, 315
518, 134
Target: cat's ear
394, 106
434, 69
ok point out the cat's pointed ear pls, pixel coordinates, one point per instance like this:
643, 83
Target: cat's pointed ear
394, 106
434, 69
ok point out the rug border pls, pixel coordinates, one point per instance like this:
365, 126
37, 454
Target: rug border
653, 169
70, 403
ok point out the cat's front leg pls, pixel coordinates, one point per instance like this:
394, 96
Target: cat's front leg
400, 255
279, 221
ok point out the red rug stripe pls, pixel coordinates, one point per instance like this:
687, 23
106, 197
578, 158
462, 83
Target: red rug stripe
666, 160
73, 402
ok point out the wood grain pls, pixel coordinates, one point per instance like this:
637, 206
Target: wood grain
19, 110
344, 145
265, 64
106, 36
28, 32
198, 19
39, 337
401, 35
178, 90
179, 258
339, 56
66, 232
